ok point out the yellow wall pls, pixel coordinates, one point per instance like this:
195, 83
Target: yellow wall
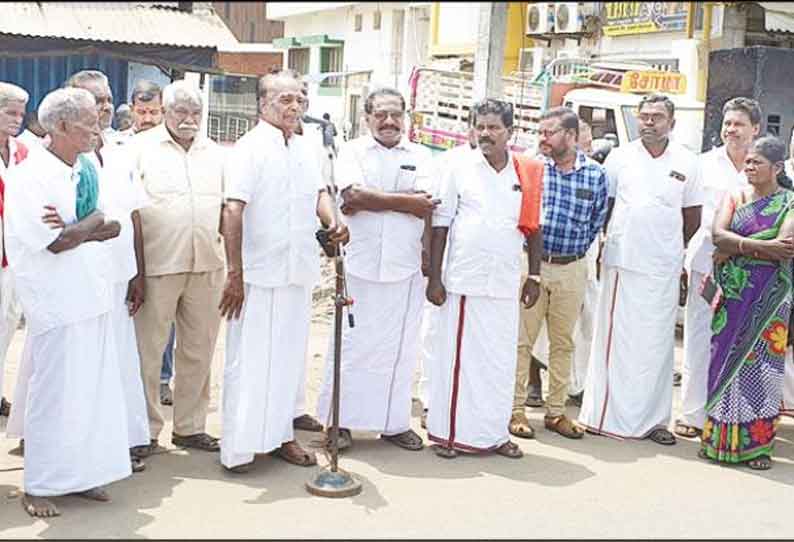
514, 41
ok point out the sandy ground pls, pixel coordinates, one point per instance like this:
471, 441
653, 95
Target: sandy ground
593, 488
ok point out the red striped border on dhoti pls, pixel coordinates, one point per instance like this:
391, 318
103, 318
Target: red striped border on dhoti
453, 406
609, 350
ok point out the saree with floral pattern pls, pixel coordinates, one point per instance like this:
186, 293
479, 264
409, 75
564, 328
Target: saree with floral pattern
748, 345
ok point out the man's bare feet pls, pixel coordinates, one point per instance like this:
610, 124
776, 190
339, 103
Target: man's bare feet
39, 507
95, 494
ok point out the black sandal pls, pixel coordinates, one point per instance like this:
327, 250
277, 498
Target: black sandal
762, 462
443, 451
407, 439
662, 436
199, 441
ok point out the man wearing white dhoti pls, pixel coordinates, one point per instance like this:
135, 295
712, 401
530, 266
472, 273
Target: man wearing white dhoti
721, 172
655, 190
122, 195
473, 353
383, 179
62, 283
274, 195
12, 152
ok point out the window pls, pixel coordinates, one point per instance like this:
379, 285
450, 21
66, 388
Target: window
299, 60
773, 125
601, 120
331, 60
358, 22
376, 21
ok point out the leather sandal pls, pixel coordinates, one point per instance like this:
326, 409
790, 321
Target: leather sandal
660, 435
510, 449
443, 451
291, 452
409, 440
687, 431
307, 423
519, 426
199, 441
564, 426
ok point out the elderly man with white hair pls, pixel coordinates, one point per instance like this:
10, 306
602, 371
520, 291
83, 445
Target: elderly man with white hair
74, 425
12, 152
182, 172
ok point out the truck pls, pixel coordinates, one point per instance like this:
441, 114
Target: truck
605, 94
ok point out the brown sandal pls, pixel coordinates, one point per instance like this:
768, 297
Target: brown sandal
519, 426
291, 452
443, 451
686, 431
562, 425
407, 439
511, 450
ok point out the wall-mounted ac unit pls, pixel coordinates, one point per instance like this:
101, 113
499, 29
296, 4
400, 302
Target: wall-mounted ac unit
569, 53
532, 60
569, 16
540, 19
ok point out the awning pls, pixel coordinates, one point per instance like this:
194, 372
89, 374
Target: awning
778, 16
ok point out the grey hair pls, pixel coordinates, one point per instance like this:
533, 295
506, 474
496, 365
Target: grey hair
86, 76
266, 81
12, 93
64, 104
180, 91
771, 148
369, 103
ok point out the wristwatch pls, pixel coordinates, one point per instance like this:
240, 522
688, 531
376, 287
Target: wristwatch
534, 278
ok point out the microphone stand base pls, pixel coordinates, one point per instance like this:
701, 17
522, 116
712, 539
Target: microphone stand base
331, 484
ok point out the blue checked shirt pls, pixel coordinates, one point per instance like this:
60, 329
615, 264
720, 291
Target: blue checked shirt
574, 206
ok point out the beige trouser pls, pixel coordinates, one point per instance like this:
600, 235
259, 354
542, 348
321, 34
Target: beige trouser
191, 301
562, 289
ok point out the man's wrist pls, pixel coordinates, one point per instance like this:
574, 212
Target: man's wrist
533, 277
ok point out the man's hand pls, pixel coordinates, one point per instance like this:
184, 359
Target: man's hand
233, 295
338, 233
720, 258
530, 292
436, 293
135, 294
425, 263
52, 218
422, 205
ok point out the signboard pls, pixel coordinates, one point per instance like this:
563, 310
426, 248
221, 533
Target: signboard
627, 18
653, 81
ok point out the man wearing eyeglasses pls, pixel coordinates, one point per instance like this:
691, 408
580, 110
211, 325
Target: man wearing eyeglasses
384, 182
655, 189
574, 210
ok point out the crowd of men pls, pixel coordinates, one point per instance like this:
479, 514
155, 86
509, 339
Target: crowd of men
456, 264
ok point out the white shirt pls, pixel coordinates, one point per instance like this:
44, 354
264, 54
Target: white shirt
481, 207
279, 184
645, 233
54, 289
788, 167
120, 193
30, 139
718, 177
384, 246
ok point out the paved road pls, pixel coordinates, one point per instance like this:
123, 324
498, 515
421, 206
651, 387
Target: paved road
596, 487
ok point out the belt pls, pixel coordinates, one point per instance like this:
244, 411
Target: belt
561, 260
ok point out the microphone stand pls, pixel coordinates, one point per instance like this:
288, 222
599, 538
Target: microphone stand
330, 481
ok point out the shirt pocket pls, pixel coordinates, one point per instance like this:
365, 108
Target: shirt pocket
580, 209
163, 180
670, 192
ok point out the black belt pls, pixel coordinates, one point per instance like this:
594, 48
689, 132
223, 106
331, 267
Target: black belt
561, 260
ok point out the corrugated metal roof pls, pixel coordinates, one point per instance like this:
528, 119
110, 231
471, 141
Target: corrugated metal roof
778, 16
120, 22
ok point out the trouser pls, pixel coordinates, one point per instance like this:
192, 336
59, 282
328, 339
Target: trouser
562, 289
167, 370
191, 301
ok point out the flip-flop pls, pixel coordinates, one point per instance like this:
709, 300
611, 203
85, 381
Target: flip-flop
762, 462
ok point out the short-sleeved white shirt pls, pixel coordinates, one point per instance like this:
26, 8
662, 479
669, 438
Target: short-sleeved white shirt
481, 207
718, 177
645, 233
279, 183
54, 289
384, 246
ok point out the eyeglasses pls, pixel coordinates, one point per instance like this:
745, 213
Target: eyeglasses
549, 133
396, 116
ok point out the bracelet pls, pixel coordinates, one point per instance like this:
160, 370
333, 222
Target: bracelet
741, 241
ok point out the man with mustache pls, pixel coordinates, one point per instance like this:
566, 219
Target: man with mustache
655, 191
574, 210
383, 180
721, 172
146, 110
182, 172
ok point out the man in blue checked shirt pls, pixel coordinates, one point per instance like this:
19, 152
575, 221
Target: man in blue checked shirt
574, 210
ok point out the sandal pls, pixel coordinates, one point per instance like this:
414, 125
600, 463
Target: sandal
660, 435
762, 462
137, 464
687, 431
200, 441
510, 449
344, 441
307, 423
291, 452
519, 426
564, 426
443, 451
407, 439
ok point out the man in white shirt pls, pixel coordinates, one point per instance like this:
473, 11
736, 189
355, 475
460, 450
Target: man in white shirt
721, 172
274, 195
75, 426
122, 196
473, 350
383, 179
12, 152
33, 135
654, 188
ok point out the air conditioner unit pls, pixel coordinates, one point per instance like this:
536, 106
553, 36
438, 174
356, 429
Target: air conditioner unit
569, 53
540, 19
532, 60
569, 16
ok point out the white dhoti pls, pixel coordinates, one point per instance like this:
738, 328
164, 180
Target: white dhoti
378, 356
473, 363
130, 367
265, 364
10, 314
787, 408
583, 337
75, 426
628, 392
426, 333
697, 355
